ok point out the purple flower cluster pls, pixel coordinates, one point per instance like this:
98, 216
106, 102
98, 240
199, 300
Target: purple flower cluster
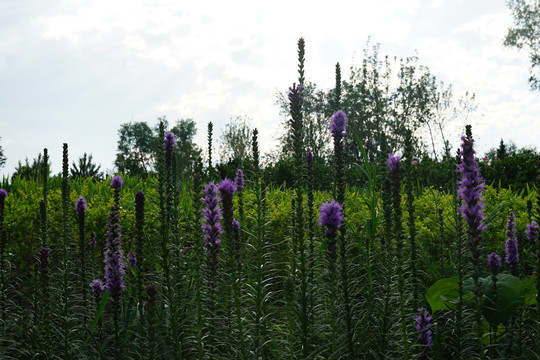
211, 226
471, 186
331, 216
423, 326
132, 260
532, 232
98, 288
3, 194
114, 267
338, 124
117, 182
80, 206
309, 156
511, 246
494, 262
93, 241
239, 180
394, 163
169, 141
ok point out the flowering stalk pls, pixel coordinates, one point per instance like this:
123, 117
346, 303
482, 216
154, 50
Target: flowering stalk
139, 240
394, 165
151, 300
239, 183
66, 306
423, 327
411, 220
494, 263
114, 269
212, 231
331, 217
470, 190
511, 246
45, 297
98, 288
44, 224
80, 208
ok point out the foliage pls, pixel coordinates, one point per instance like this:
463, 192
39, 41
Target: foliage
86, 168
235, 141
525, 34
2, 157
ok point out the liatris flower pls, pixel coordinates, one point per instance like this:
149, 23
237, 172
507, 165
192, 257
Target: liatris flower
117, 182
114, 269
423, 326
80, 206
295, 100
98, 288
471, 186
239, 180
211, 226
331, 217
3, 194
394, 163
226, 191
93, 240
511, 247
494, 262
532, 232
338, 124
309, 156
169, 141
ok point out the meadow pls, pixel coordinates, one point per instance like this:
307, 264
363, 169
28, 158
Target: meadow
202, 267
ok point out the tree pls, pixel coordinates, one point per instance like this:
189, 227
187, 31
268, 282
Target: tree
29, 171
526, 34
235, 141
136, 148
86, 168
2, 157
186, 151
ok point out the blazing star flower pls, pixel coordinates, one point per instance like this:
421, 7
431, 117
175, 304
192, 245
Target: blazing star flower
169, 141
239, 180
511, 247
338, 124
98, 288
309, 156
211, 226
494, 262
117, 182
532, 232
331, 216
393, 162
423, 326
80, 206
93, 241
3, 194
470, 190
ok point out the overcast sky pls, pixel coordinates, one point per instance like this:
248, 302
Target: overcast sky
73, 71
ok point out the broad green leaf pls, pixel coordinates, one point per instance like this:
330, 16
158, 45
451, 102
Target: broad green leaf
444, 294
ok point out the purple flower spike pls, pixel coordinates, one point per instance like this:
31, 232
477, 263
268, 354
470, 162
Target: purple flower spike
331, 216
309, 156
98, 288
93, 241
80, 206
338, 124
511, 246
494, 263
393, 162
44, 256
532, 232
3, 194
211, 226
226, 188
117, 182
423, 326
169, 141
239, 180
